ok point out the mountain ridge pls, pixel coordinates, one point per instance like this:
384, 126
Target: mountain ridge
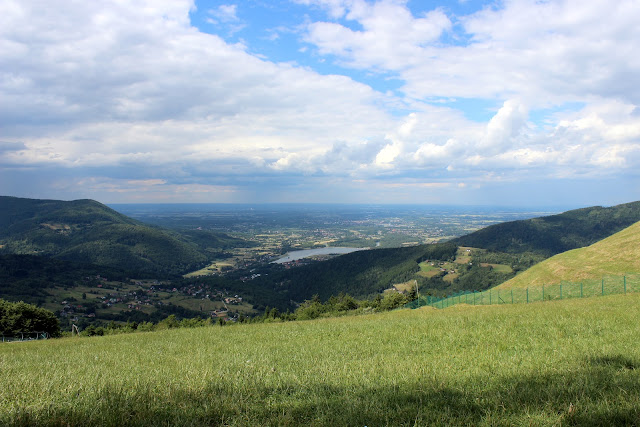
550, 235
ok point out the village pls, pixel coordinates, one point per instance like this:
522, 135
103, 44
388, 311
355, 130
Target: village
101, 298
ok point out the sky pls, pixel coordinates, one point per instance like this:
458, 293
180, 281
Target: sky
459, 102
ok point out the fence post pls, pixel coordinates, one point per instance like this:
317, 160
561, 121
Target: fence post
624, 278
603, 286
527, 295
561, 291
474, 297
511, 295
542, 292
580, 289
489, 296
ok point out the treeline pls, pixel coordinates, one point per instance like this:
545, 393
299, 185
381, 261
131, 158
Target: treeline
343, 304
170, 322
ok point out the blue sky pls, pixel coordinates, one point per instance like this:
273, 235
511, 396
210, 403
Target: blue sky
521, 103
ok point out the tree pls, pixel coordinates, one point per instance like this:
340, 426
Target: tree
17, 317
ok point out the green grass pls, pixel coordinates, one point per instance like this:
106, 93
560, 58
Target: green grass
587, 288
571, 362
428, 270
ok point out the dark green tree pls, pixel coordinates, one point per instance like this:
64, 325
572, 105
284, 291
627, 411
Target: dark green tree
16, 317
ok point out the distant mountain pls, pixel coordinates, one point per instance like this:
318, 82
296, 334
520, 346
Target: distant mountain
616, 255
554, 234
90, 232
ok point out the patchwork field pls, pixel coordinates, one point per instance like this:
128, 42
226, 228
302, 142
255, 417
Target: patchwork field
574, 362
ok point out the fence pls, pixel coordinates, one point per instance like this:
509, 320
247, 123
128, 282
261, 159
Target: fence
25, 336
588, 288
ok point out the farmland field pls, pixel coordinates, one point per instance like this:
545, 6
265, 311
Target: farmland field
563, 362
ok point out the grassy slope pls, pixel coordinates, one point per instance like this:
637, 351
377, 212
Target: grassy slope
574, 362
615, 255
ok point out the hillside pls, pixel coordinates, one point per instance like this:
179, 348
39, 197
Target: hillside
559, 363
616, 255
360, 274
554, 234
496, 254
90, 232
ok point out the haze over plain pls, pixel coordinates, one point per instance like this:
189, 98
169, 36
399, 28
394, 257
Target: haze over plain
459, 102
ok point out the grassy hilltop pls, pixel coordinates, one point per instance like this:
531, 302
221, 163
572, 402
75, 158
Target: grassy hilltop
572, 362
615, 255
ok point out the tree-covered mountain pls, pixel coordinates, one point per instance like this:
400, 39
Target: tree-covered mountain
554, 234
90, 232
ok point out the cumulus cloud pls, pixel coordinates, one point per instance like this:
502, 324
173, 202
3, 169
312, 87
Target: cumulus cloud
505, 128
124, 96
390, 35
539, 51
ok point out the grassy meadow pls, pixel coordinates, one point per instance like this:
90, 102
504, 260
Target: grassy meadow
570, 362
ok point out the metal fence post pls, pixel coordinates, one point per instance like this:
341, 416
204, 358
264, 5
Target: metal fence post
624, 278
560, 291
527, 295
603, 286
511, 295
580, 289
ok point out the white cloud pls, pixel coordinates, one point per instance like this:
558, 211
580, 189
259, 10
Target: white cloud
541, 52
505, 128
99, 89
225, 13
136, 96
390, 37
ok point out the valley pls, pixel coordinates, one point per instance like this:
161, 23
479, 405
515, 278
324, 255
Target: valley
93, 265
274, 230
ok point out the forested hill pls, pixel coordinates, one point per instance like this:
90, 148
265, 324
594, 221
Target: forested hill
360, 274
90, 232
554, 234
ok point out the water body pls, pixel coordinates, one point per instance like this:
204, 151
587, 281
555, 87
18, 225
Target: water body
296, 255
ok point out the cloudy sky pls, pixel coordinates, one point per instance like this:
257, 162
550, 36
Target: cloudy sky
516, 102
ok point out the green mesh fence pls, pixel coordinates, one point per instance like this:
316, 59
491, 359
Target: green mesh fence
588, 288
